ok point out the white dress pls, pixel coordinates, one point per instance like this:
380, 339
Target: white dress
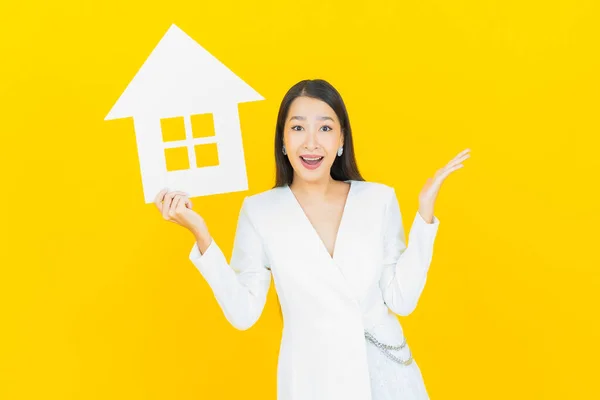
390, 380
328, 303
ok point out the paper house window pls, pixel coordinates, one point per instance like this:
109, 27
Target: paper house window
181, 152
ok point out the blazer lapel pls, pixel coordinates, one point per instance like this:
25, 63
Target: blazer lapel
332, 266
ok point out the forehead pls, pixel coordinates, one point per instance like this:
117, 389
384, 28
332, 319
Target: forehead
311, 109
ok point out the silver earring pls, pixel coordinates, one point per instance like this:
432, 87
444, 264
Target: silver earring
340, 151
283, 150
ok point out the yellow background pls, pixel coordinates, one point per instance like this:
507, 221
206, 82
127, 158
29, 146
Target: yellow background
98, 299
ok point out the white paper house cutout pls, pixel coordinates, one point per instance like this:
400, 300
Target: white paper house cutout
179, 79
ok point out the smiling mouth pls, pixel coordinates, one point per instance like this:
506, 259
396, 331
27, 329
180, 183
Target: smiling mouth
311, 160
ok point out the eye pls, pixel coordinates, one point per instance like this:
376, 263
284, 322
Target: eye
328, 127
296, 126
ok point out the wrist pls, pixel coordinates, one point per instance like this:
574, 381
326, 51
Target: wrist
200, 233
427, 216
203, 241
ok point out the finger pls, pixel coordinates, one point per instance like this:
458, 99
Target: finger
181, 204
449, 171
460, 155
174, 192
167, 204
465, 151
457, 161
185, 195
172, 196
174, 205
188, 203
460, 158
159, 198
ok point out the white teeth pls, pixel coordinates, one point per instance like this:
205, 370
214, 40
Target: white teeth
312, 159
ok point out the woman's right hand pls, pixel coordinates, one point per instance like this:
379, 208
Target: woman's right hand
177, 207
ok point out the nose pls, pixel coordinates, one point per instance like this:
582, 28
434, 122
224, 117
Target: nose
310, 142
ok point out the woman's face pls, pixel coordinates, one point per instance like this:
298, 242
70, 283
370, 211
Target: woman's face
312, 136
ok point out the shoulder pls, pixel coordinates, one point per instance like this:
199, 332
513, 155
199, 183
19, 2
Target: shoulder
375, 191
264, 201
372, 187
265, 209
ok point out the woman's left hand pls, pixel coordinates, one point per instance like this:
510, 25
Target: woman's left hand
432, 186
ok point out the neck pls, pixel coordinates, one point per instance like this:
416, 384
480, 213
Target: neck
321, 188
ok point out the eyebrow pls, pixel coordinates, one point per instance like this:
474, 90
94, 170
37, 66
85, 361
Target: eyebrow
322, 118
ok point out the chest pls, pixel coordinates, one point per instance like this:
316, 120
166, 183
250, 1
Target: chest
328, 247
325, 220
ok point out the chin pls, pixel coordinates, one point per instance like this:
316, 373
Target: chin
314, 176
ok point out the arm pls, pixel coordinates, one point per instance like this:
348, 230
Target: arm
241, 287
405, 268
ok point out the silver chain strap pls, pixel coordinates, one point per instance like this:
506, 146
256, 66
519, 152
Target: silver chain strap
385, 349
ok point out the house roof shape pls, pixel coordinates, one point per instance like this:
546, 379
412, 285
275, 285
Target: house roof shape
180, 77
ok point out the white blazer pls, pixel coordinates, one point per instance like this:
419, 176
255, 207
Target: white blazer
327, 302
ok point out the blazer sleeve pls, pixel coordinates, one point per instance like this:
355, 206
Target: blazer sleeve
240, 288
405, 267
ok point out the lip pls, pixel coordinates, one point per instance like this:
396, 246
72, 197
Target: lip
310, 166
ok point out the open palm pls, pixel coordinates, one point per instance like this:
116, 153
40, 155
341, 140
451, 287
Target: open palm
432, 187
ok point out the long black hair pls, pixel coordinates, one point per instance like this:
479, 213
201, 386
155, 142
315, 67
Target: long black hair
344, 167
